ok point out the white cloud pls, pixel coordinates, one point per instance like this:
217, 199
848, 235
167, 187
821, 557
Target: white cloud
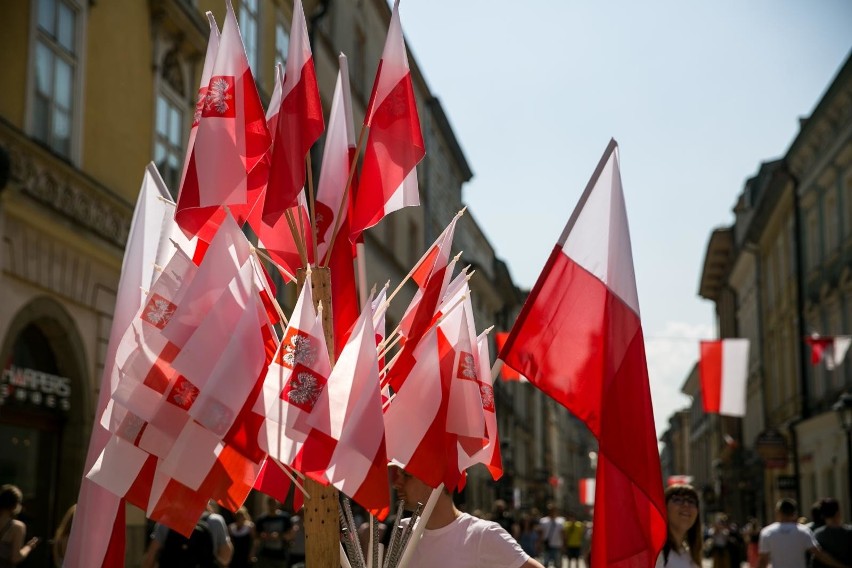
672, 351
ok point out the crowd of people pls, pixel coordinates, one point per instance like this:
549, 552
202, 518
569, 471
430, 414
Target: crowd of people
790, 542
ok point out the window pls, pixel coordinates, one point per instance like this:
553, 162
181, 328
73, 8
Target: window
168, 147
55, 70
282, 42
249, 19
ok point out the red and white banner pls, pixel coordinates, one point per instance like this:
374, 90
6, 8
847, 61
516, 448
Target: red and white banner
723, 371
587, 491
679, 480
830, 350
579, 339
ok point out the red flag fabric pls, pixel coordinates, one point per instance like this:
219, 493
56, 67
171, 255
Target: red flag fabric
830, 350
507, 373
579, 339
395, 144
230, 142
723, 371
299, 123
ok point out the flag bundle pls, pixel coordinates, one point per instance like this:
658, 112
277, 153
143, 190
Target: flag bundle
723, 371
829, 350
579, 339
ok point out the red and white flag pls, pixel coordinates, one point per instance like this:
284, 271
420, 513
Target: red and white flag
723, 371
231, 139
587, 491
395, 144
294, 381
830, 350
350, 412
336, 160
299, 123
679, 480
100, 512
579, 339
490, 455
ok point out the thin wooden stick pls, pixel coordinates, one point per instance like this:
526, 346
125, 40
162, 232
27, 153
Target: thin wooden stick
256, 253
297, 237
268, 258
344, 201
313, 205
298, 485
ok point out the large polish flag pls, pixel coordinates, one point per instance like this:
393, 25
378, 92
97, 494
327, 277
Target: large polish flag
395, 144
723, 370
152, 232
299, 122
231, 138
579, 339
350, 412
830, 350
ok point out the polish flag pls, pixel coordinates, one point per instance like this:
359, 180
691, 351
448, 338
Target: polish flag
723, 370
350, 412
299, 123
490, 456
579, 339
587, 491
830, 350
294, 382
336, 160
395, 144
231, 139
152, 231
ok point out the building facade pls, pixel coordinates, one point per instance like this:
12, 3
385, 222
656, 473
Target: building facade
782, 275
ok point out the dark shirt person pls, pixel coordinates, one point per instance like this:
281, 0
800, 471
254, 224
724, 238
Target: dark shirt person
834, 537
274, 532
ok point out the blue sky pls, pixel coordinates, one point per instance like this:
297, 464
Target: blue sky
696, 93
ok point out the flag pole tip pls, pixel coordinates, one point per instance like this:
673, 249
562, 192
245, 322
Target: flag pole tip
488, 330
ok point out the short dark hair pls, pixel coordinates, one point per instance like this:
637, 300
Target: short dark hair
11, 498
787, 507
829, 507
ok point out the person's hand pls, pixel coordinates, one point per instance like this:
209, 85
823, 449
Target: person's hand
32, 542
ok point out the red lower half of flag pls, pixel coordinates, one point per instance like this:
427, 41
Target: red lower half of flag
710, 373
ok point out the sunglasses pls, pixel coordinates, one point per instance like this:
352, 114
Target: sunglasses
684, 500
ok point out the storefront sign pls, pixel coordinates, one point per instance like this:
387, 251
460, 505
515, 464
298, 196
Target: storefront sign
21, 386
771, 446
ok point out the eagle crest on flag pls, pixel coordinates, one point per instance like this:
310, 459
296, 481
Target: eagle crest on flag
303, 389
159, 311
221, 91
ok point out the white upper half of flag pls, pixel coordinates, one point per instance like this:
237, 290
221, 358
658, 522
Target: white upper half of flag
597, 236
275, 100
299, 51
734, 376
394, 65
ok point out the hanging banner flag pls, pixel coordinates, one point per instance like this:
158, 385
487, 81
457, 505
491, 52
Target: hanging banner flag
679, 480
587, 491
828, 349
723, 370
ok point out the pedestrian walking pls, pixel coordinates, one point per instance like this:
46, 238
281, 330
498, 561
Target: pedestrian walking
552, 527
785, 542
242, 537
834, 537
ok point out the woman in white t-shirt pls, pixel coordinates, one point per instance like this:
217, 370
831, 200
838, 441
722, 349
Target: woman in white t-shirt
683, 545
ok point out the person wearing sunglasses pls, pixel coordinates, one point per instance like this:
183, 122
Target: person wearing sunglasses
683, 544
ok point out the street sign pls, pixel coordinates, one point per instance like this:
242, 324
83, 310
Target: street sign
787, 482
771, 446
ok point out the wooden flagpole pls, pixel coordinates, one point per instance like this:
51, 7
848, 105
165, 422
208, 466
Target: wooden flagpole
322, 527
